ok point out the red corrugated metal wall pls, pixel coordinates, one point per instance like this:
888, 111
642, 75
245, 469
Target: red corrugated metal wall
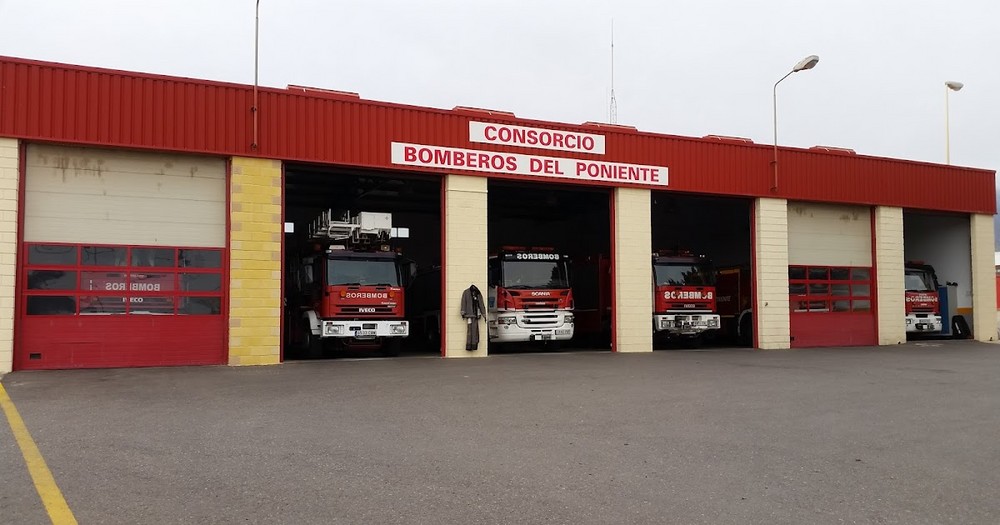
72, 104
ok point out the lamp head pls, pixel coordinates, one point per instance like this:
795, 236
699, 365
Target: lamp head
954, 86
808, 62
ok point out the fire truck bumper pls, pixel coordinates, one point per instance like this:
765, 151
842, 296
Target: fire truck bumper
923, 323
685, 324
519, 327
363, 330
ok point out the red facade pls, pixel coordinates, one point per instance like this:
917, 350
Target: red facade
71, 104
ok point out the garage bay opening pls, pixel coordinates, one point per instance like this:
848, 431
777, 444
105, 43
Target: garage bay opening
356, 245
549, 267
702, 271
937, 275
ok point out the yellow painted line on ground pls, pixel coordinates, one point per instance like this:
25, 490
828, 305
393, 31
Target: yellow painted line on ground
45, 484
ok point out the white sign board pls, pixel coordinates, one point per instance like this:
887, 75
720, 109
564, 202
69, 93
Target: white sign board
520, 136
406, 154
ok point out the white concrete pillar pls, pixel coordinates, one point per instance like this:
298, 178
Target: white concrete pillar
465, 260
984, 292
633, 265
9, 167
771, 273
889, 278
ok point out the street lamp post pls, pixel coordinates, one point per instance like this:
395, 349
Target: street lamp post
256, 61
808, 62
949, 86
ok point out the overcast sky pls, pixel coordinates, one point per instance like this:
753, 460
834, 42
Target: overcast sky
686, 68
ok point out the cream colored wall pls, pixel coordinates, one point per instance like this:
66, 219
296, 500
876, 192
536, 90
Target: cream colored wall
771, 273
466, 254
829, 235
984, 299
889, 275
8, 249
103, 196
633, 271
255, 262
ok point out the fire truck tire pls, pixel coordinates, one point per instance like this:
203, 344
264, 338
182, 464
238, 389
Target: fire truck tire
746, 330
432, 337
960, 328
312, 345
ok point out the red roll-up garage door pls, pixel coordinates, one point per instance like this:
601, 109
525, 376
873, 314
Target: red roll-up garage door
830, 275
123, 261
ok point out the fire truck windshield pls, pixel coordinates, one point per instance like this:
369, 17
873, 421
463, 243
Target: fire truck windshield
535, 274
919, 281
683, 274
362, 272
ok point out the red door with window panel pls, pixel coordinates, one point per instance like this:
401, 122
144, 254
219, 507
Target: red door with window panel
100, 306
831, 306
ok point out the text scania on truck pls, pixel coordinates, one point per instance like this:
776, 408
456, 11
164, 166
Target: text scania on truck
529, 297
922, 303
349, 289
684, 295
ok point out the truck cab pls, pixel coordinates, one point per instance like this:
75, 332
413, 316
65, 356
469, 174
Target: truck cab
922, 303
684, 295
351, 284
529, 298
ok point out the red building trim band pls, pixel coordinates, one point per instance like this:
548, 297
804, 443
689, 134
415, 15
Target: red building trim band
51, 102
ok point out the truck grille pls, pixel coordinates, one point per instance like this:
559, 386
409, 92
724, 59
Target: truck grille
369, 311
688, 307
540, 320
540, 303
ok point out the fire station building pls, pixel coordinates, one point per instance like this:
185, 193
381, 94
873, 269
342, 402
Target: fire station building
147, 220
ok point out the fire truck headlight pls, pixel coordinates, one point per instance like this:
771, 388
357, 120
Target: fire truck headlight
398, 328
568, 319
334, 329
505, 320
713, 323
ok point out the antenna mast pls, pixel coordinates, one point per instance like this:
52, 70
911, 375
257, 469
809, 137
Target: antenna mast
613, 109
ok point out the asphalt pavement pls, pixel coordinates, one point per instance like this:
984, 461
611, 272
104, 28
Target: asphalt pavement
907, 434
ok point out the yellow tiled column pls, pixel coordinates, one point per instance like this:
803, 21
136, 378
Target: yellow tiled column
8, 249
633, 308
889, 275
465, 260
255, 262
771, 273
984, 292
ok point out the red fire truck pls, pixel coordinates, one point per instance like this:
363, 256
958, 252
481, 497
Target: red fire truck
530, 297
923, 306
734, 298
684, 295
349, 284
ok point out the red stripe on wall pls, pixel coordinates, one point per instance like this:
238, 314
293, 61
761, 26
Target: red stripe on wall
79, 105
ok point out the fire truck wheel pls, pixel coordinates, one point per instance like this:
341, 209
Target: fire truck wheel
746, 330
312, 345
960, 328
390, 348
432, 339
